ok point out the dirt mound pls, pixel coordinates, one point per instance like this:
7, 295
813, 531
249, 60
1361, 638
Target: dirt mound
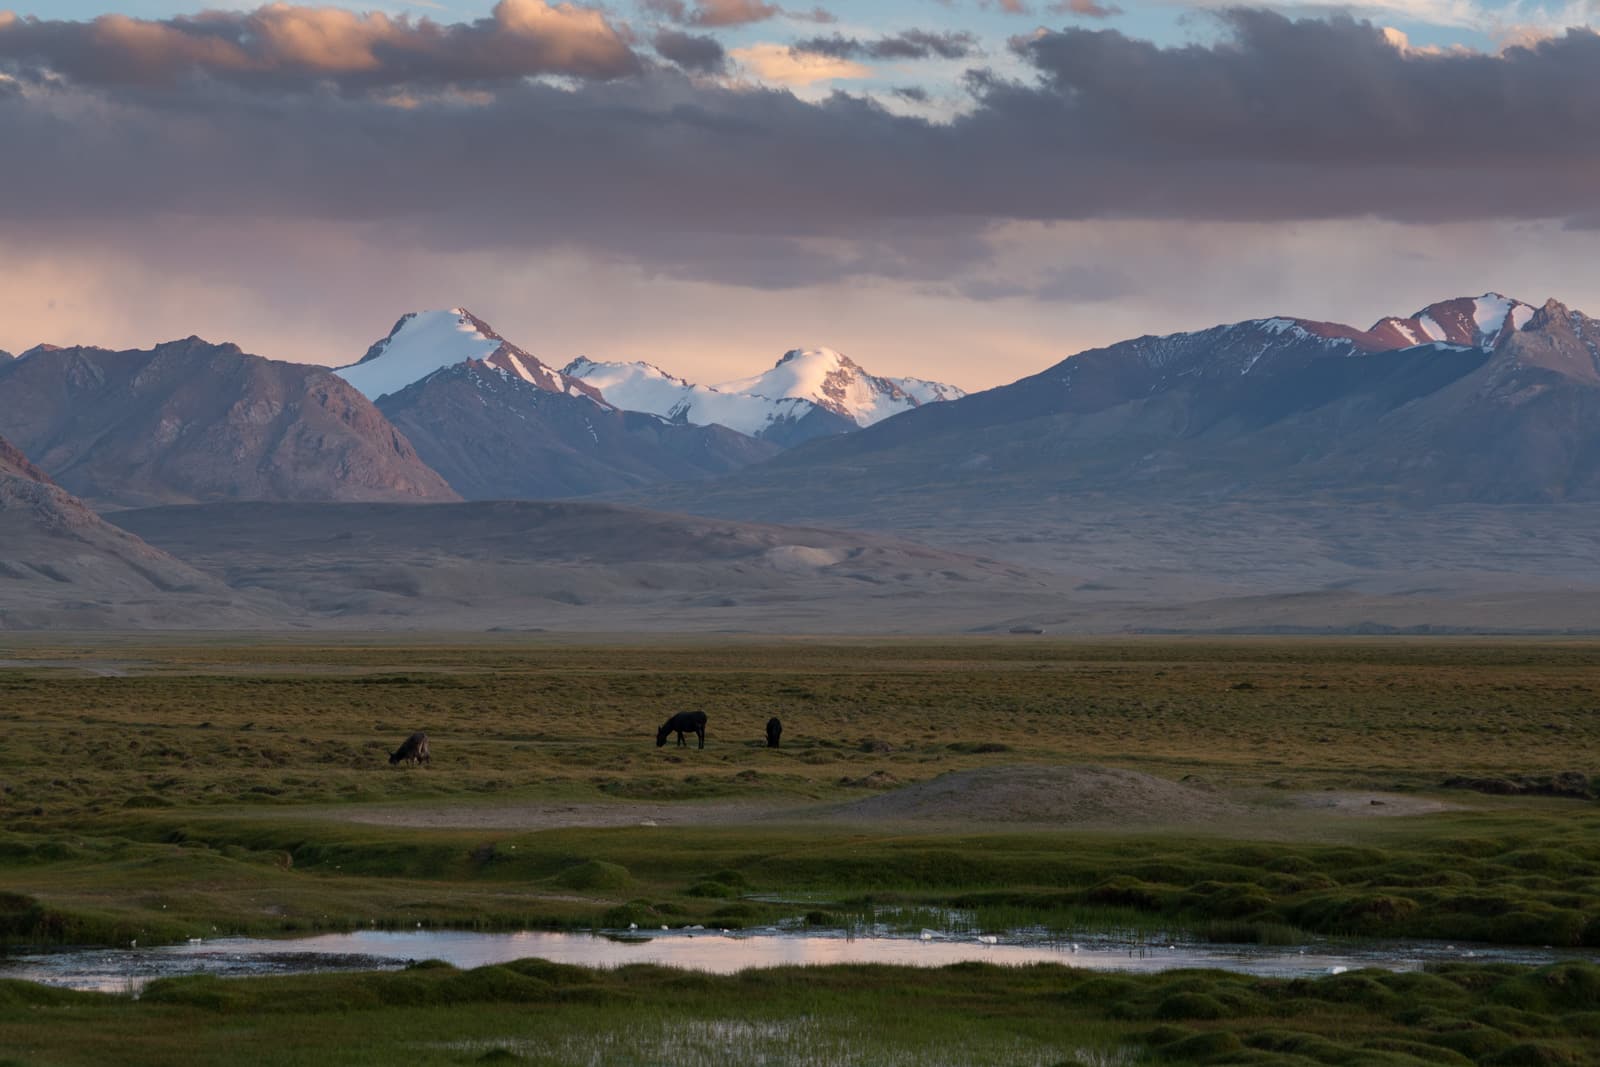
1031, 794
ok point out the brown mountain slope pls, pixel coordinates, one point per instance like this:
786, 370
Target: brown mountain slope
62, 566
496, 436
191, 421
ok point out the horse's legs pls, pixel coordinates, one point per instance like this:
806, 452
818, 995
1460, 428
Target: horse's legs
702, 733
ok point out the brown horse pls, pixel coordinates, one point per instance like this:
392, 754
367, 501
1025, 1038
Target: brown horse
413, 749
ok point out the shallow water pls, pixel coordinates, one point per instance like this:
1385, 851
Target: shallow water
127, 970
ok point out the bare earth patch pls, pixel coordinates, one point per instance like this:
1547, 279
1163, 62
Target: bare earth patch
1033, 794
1373, 804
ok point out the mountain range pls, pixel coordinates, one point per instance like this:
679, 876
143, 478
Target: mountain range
1436, 469
1497, 405
459, 412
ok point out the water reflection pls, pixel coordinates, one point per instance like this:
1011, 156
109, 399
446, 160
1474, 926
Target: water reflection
126, 970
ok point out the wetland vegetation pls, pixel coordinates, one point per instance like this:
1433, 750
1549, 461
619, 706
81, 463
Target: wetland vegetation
156, 790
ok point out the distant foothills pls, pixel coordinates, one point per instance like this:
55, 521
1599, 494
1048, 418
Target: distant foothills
1484, 401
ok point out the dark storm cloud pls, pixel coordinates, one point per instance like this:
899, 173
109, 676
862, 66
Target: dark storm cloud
286, 47
909, 44
1333, 92
1280, 120
697, 52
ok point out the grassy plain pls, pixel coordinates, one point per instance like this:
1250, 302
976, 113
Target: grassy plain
534, 1012
161, 789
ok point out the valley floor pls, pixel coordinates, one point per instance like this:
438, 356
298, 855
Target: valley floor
162, 788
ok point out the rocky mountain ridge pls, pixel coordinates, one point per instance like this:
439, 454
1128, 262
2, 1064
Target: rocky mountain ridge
189, 421
1499, 407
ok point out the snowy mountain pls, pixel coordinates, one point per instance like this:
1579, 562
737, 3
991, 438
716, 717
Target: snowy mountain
784, 421
426, 341
833, 381
808, 393
1472, 322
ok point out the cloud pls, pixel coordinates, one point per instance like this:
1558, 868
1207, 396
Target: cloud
285, 46
696, 52
908, 44
1087, 8
717, 13
676, 10
1279, 120
732, 12
788, 66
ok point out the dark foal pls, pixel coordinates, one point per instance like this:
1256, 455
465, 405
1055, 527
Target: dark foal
774, 731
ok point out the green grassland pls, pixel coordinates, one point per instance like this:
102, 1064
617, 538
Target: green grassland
160, 789
535, 1012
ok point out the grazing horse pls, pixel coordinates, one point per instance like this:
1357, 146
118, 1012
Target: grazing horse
682, 723
774, 731
413, 749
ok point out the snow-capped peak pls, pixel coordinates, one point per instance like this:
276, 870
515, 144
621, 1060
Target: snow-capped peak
645, 387
1491, 310
1473, 322
833, 381
803, 380
424, 342
1463, 322
420, 343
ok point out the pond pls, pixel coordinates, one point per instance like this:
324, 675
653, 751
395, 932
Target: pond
126, 970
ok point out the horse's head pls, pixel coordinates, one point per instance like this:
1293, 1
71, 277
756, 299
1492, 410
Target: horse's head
661, 735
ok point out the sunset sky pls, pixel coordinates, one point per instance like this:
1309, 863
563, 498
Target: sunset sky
966, 190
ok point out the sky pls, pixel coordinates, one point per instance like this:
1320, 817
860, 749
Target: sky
965, 190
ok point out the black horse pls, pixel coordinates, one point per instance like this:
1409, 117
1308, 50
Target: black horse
682, 723
774, 731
